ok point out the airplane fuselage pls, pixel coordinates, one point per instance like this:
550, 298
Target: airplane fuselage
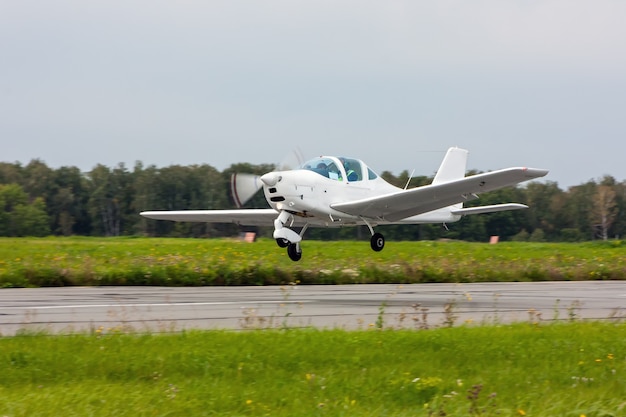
311, 192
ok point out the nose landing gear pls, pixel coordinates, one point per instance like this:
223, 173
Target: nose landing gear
287, 238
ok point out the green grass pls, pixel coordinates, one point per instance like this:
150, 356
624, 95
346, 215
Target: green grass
26, 262
554, 370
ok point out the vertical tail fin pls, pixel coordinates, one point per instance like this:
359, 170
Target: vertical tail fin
452, 167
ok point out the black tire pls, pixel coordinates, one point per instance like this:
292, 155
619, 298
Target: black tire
377, 242
283, 243
292, 251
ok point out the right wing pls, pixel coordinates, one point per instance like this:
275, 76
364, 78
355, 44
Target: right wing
246, 217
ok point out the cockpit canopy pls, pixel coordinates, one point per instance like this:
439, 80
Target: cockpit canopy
340, 168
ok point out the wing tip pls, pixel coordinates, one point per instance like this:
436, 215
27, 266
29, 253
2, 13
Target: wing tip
535, 172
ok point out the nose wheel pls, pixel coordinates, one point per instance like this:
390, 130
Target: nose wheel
294, 252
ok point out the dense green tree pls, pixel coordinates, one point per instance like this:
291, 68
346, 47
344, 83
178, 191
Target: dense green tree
11, 173
604, 210
577, 209
542, 199
619, 225
145, 186
67, 202
108, 203
19, 216
37, 199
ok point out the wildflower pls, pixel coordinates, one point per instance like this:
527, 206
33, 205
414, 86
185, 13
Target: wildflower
248, 402
521, 412
610, 356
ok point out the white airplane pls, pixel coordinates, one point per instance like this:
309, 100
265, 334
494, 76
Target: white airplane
334, 192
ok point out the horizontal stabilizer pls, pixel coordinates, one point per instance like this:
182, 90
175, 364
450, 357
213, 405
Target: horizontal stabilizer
488, 209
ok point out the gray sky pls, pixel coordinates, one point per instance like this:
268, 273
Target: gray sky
518, 83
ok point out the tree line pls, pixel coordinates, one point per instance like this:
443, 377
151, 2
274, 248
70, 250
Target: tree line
37, 200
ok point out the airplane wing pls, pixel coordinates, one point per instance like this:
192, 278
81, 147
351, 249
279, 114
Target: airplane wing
247, 217
406, 203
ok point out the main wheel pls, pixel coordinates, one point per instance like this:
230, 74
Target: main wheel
295, 254
377, 242
283, 243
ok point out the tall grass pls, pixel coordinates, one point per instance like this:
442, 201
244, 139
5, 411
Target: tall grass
26, 262
555, 370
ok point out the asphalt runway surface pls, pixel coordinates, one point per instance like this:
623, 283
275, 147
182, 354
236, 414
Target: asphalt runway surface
165, 309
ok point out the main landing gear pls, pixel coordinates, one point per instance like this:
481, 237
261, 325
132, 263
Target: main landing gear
377, 242
287, 238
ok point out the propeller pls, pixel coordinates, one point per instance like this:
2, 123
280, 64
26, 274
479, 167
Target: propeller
244, 186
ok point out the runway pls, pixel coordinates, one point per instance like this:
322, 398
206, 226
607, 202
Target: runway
166, 309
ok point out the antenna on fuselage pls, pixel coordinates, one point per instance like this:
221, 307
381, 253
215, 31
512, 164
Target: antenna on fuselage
409, 180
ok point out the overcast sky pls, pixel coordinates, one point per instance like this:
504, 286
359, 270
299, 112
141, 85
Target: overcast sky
395, 83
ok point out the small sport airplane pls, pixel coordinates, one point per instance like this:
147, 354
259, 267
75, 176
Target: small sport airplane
334, 192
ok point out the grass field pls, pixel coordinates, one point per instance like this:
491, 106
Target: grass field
576, 369
527, 369
26, 262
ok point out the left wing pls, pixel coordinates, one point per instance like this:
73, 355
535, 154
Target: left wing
402, 204
247, 217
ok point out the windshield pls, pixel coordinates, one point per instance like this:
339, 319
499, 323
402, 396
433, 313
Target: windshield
323, 166
353, 169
